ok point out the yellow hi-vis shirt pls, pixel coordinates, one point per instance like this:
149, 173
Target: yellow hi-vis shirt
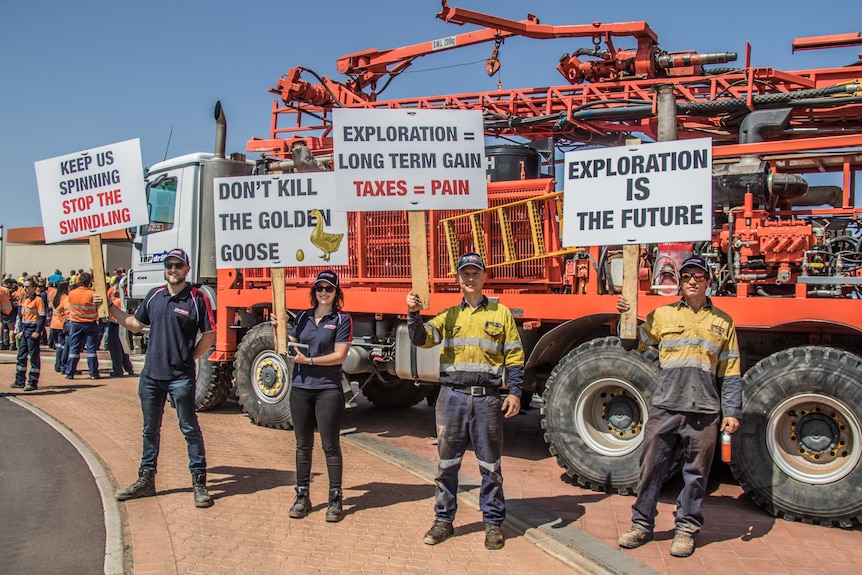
477, 344
696, 350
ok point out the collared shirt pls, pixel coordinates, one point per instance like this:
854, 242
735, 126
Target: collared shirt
81, 306
175, 322
698, 357
31, 314
336, 327
477, 344
61, 313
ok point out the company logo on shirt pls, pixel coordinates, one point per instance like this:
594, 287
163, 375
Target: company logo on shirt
181, 311
330, 326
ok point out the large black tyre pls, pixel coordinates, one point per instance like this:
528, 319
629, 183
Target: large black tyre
595, 405
263, 379
395, 393
798, 450
210, 390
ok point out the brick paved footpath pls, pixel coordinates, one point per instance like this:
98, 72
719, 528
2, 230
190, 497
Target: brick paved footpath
388, 508
251, 476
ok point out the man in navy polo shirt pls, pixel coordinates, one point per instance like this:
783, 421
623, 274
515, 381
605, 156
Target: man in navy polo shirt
176, 313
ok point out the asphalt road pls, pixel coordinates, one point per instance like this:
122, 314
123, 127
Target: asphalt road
51, 518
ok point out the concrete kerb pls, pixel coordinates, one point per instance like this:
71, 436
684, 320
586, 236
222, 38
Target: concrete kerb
113, 519
568, 544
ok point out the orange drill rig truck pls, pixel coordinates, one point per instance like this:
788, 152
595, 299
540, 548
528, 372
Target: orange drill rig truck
786, 255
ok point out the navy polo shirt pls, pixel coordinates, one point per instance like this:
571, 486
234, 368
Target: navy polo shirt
337, 327
174, 325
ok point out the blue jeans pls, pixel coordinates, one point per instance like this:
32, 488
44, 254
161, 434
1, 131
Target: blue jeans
664, 430
80, 334
153, 394
462, 418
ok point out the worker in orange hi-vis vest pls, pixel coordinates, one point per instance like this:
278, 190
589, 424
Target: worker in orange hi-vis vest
31, 321
84, 327
7, 315
120, 360
60, 326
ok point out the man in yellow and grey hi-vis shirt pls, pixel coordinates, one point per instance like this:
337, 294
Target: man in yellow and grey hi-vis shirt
479, 341
699, 385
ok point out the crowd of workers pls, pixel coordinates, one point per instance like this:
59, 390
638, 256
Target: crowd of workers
54, 312
699, 391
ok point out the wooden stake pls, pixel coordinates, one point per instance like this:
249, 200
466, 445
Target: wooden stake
631, 253
278, 309
419, 257
629, 319
98, 263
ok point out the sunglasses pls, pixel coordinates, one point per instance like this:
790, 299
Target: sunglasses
327, 289
698, 277
174, 265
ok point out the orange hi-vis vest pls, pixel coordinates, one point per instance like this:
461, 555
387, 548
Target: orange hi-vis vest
61, 313
32, 312
81, 306
5, 302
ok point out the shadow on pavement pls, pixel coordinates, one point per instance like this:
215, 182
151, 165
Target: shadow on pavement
378, 494
49, 390
244, 480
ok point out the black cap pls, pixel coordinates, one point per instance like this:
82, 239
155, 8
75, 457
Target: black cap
329, 277
695, 262
471, 259
179, 254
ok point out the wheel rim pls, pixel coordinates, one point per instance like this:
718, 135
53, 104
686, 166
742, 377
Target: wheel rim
269, 376
813, 438
610, 414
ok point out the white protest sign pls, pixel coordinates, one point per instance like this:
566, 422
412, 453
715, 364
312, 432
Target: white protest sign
638, 194
92, 191
276, 221
399, 159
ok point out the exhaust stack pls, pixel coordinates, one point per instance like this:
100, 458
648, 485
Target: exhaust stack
221, 131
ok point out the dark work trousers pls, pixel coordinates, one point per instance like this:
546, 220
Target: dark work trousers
462, 418
663, 432
120, 360
61, 352
28, 349
81, 334
325, 407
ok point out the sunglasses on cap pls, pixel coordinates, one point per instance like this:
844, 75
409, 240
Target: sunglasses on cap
698, 277
322, 287
175, 265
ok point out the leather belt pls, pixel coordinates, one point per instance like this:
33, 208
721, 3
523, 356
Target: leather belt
474, 390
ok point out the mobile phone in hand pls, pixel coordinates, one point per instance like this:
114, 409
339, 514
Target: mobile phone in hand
293, 347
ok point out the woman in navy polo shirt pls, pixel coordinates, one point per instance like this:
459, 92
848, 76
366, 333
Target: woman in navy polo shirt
315, 395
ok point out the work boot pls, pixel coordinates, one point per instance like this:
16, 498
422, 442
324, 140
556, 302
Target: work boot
31, 387
493, 537
199, 486
438, 532
16, 385
145, 486
302, 503
333, 512
683, 544
635, 537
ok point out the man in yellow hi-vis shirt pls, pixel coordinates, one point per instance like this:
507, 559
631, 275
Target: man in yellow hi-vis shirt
479, 341
699, 386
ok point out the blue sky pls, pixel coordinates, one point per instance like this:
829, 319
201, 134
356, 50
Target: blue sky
77, 75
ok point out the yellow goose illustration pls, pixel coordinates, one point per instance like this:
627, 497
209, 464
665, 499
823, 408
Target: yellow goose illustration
326, 241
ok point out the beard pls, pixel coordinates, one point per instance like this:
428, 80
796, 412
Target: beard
174, 279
